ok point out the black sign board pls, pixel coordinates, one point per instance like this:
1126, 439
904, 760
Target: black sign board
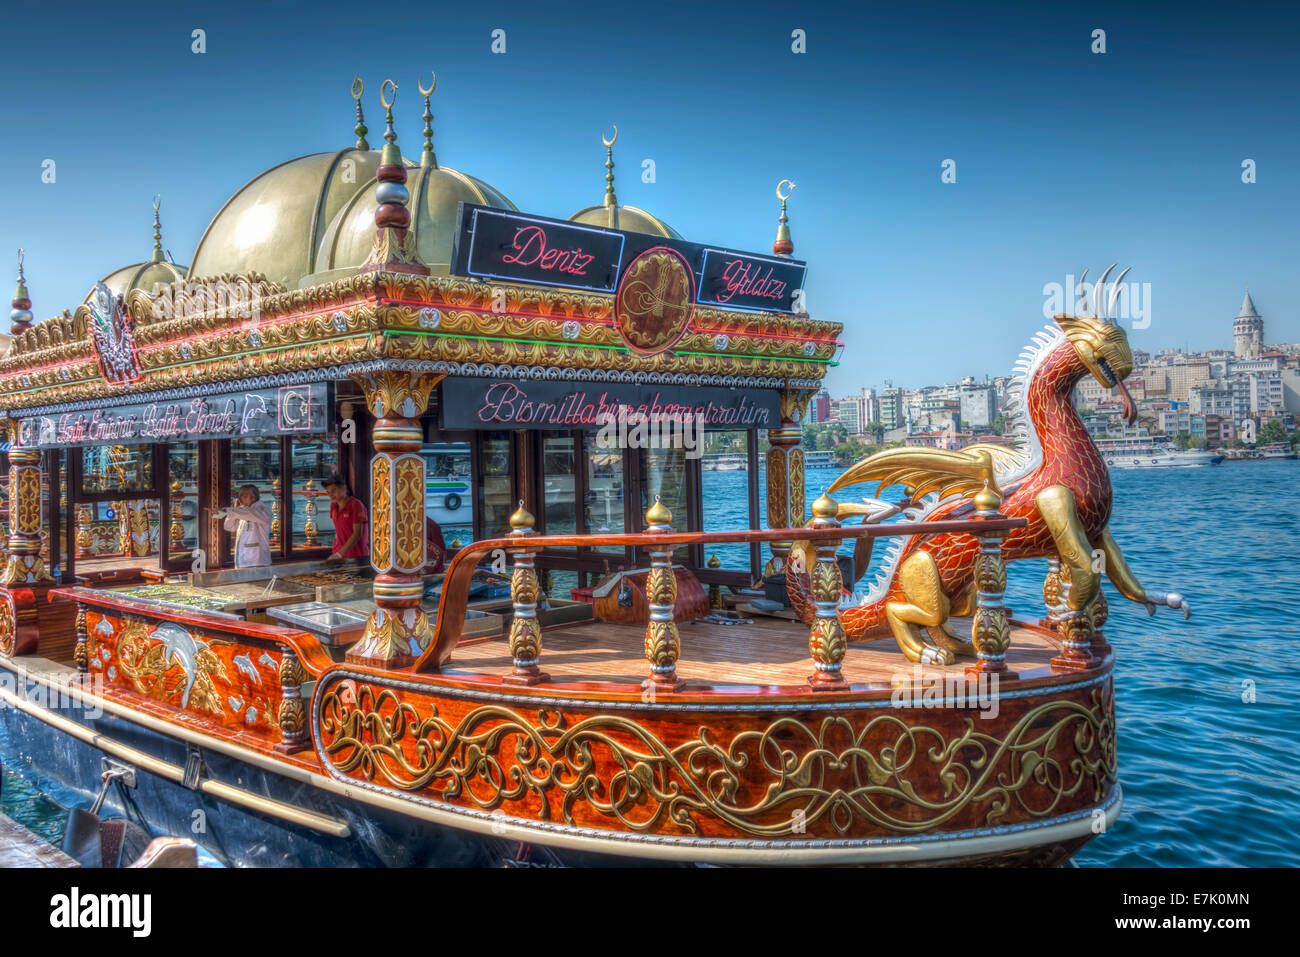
277, 411
472, 403
501, 245
496, 244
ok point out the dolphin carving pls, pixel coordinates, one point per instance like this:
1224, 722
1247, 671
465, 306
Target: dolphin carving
179, 643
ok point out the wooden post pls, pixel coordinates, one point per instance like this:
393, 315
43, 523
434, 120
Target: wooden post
990, 633
785, 475
662, 642
398, 631
826, 640
81, 650
1053, 589
525, 631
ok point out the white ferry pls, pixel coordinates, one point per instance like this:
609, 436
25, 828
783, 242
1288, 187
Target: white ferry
1278, 450
819, 460
1153, 452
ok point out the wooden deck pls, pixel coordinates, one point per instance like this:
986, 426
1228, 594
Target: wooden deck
770, 651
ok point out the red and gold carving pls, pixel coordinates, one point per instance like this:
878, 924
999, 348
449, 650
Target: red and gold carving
408, 512
381, 512
858, 774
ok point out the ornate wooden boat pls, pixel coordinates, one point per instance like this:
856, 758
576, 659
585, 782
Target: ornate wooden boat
721, 739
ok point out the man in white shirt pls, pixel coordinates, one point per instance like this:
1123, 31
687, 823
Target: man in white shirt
250, 520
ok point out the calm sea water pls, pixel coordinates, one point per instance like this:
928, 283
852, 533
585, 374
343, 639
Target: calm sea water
1207, 747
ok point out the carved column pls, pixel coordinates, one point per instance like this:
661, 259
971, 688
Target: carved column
525, 631
826, 640
398, 631
177, 530
1052, 594
25, 566
990, 633
662, 643
785, 474
292, 715
81, 651
1074, 626
274, 540
1100, 610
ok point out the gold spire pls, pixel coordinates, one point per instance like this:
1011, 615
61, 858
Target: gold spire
360, 129
20, 315
658, 516
157, 256
611, 201
784, 245
428, 158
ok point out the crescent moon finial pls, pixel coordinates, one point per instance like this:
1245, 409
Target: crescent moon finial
786, 195
157, 202
432, 83
358, 87
610, 142
383, 94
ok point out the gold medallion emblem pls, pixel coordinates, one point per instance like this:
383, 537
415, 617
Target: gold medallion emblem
655, 300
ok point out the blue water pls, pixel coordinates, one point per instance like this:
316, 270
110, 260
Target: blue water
1209, 779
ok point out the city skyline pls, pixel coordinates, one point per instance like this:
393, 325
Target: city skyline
1057, 166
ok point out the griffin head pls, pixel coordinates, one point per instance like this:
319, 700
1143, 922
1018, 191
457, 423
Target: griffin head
1100, 343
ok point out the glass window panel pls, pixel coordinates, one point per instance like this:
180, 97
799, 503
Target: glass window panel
663, 474
603, 508
447, 499
314, 457
725, 483
256, 462
116, 468
183, 482
559, 487
495, 499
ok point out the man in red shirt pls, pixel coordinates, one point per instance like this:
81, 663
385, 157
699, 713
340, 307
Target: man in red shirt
349, 518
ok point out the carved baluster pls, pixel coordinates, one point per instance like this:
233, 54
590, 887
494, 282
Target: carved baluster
292, 715
85, 535
177, 530
525, 631
990, 632
662, 643
1052, 588
309, 528
715, 590
826, 640
81, 651
1074, 628
275, 514
1100, 612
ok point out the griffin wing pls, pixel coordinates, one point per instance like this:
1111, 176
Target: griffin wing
921, 471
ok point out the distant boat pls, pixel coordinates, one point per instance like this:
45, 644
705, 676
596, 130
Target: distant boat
819, 460
1153, 452
1278, 450
726, 462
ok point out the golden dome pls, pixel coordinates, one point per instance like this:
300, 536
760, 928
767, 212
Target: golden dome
144, 275
147, 276
434, 191
274, 224
611, 215
625, 217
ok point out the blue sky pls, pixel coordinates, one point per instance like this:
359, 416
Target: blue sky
1064, 158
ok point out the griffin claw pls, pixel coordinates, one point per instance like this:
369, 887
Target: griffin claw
1171, 600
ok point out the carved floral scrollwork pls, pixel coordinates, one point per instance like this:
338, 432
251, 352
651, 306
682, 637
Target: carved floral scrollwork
838, 776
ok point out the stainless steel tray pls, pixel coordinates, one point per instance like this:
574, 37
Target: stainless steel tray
319, 618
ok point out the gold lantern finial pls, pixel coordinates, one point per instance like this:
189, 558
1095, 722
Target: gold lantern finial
360, 129
658, 515
522, 519
825, 507
986, 499
157, 231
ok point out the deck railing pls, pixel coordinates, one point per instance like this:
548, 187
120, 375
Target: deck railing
826, 640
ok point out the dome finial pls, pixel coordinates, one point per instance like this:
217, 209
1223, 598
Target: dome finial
157, 256
428, 158
394, 246
360, 129
611, 201
21, 314
784, 245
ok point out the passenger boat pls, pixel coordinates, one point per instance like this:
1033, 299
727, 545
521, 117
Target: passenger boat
1153, 452
819, 460
1278, 450
369, 713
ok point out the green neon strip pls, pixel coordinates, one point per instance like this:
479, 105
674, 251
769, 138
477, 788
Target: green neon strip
585, 345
